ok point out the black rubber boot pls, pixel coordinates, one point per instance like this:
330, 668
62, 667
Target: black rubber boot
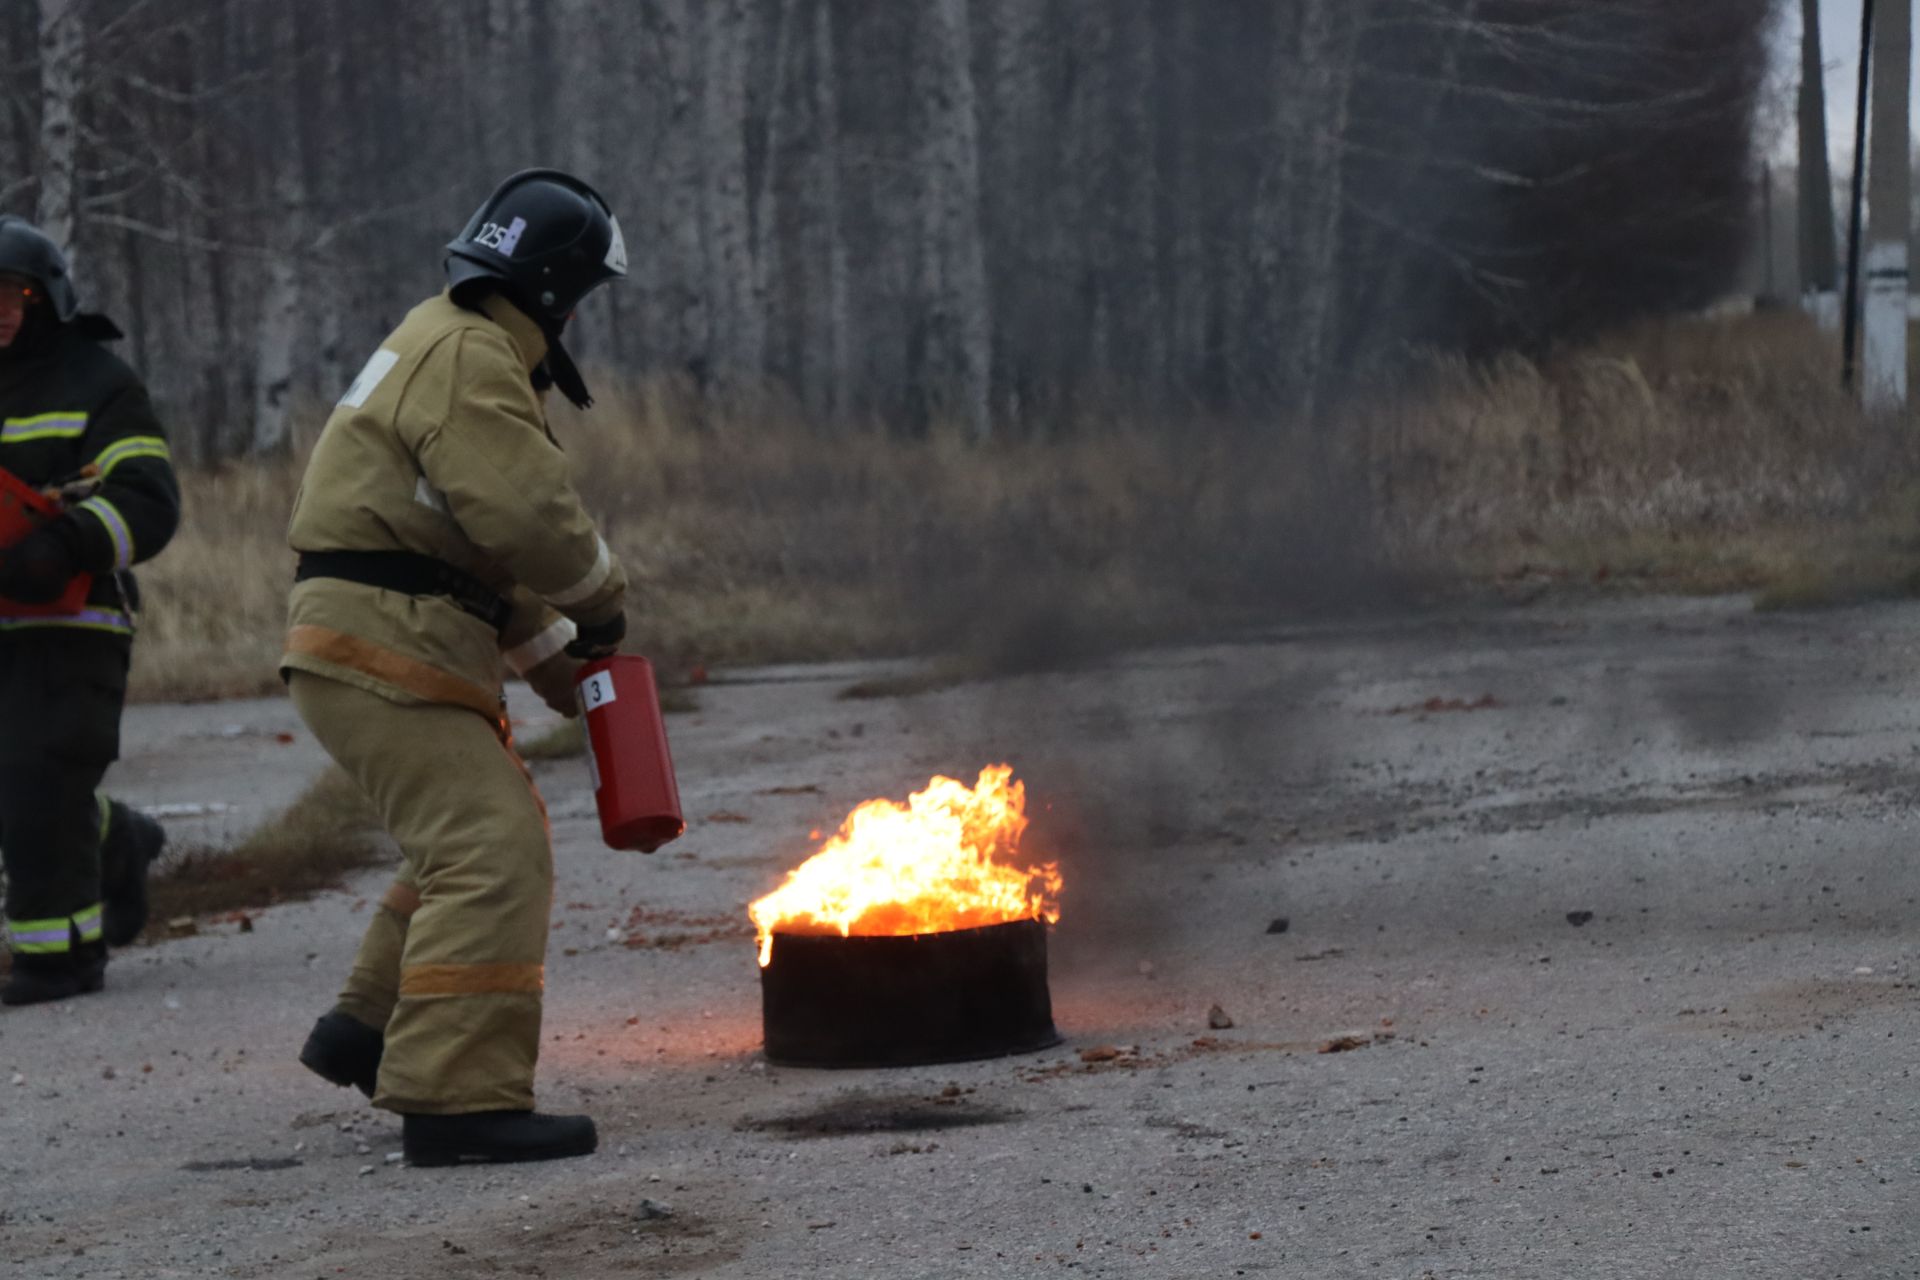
344, 1050
495, 1137
134, 842
36, 979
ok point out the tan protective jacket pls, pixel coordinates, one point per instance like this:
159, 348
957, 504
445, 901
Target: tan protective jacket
441, 447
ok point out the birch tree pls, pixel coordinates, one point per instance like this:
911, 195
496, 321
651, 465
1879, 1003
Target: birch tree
998, 213
958, 368
738, 341
62, 45
282, 303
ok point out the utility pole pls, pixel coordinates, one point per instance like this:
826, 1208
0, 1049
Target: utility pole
1883, 383
1856, 201
1818, 270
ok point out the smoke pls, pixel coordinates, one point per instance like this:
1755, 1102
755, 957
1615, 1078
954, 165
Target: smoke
1145, 747
1143, 772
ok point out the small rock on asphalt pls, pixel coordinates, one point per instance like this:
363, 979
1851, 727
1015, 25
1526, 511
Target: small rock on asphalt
652, 1211
1218, 1019
1578, 918
1278, 925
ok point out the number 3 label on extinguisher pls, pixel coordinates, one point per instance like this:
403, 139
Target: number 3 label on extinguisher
596, 691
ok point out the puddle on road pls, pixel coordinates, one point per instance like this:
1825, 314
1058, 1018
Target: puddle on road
863, 1113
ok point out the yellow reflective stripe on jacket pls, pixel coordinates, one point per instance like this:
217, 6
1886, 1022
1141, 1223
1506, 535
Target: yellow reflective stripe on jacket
430, 980
69, 424
111, 621
116, 524
130, 448
106, 812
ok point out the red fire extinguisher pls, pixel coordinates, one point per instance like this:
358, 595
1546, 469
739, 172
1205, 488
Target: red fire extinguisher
22, 510
627, 752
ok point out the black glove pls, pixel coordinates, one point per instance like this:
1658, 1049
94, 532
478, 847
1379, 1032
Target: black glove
598, 639
36, 569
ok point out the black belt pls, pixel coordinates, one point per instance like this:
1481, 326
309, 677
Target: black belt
409, 573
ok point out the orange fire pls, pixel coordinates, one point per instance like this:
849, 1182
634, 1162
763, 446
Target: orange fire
943, 861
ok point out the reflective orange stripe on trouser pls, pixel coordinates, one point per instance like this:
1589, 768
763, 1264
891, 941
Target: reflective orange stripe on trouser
456, 950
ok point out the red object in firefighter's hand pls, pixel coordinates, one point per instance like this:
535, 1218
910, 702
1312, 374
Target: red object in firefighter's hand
22, 510
633, 780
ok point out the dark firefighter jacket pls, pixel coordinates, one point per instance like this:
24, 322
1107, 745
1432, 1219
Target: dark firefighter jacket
69, 403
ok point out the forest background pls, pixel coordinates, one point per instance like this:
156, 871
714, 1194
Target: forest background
1012, 327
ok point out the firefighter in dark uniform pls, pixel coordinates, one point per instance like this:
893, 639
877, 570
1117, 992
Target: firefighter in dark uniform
75, 421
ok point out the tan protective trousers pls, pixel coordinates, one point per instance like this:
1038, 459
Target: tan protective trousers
453, 964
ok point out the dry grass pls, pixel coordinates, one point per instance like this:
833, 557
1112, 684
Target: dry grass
1687, 456
327, 834
216, 598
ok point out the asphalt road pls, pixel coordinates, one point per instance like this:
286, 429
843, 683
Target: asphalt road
1709, 1075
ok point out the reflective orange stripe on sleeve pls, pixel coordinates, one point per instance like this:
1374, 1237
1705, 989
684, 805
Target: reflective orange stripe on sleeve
415, 677
427, 980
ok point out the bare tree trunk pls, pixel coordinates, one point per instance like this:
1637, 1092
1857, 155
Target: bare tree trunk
1188, 286
136, 314
767, 256
62, 48
687, 316
1377, 292
1141, 241
207, 57
953, 262
1329, 33
1883, 364
283, 306
1015, 184
546, 77
281, 312
1273, 219
835, 326
319, 90
1084, 240
739, 328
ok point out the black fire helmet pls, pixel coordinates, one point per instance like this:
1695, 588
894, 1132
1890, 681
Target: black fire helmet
548, 237
27, 251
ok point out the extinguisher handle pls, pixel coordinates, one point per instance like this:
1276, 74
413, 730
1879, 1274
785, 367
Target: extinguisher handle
598, 639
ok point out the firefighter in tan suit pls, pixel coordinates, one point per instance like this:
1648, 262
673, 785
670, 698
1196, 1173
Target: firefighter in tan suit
439, 533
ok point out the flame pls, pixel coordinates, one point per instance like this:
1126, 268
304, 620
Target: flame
942, 861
